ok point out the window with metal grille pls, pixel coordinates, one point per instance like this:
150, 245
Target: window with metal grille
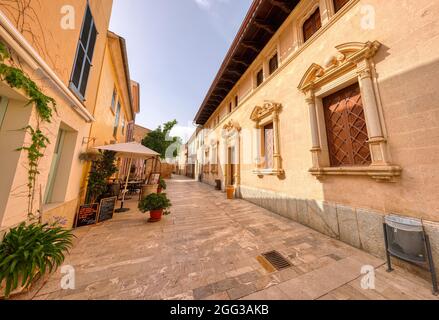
84, 55
312, 25
273, 64
346, 128
338, 4
259, 78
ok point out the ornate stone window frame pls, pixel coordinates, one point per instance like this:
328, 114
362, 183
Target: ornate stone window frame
231, 137
352, 64
268, 113
214, 157
308, 11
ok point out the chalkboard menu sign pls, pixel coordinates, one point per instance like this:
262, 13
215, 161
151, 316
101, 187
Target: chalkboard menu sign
87, 215
106, 209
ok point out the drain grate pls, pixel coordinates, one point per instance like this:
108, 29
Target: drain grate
277, 260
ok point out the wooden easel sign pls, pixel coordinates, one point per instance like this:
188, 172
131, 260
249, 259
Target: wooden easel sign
87, 215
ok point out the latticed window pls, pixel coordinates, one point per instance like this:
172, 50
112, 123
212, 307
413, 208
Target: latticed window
346, 128
312, 25
338, 4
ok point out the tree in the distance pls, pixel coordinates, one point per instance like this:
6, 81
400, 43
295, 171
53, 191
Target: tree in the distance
160, 139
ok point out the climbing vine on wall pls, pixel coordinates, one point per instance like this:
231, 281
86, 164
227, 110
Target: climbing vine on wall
44, 107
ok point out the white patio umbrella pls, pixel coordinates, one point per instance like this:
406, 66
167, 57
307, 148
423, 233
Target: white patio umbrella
131, 150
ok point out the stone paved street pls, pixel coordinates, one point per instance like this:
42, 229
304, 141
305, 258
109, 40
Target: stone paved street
208, 249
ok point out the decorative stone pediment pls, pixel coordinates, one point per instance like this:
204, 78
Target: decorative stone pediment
266, 110
348, 56
232, 126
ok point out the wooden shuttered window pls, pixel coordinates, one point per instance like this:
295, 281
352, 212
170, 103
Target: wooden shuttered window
259, 77
346, 128
312, 25
338, 4
84, 54
273, 64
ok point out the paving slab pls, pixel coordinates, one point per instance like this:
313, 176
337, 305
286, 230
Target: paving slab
210, 248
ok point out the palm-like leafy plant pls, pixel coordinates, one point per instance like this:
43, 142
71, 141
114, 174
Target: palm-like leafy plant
29, 251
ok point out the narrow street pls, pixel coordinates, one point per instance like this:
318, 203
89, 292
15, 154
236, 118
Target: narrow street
208, 249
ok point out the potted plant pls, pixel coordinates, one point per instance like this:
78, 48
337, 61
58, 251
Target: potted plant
162, 186
28, 252
230, 190
156, 204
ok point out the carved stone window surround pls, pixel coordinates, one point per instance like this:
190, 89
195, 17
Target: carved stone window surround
353, 63
261, 116
214, 157
231, 137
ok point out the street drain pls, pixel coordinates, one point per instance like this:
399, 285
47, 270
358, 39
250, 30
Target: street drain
277, 260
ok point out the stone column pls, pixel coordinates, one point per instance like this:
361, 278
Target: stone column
377, 141
276, 152
316, 147
325, 11
257, 139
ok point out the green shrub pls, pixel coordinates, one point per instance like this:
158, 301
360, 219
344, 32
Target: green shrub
162, 184
29, 251
154, 201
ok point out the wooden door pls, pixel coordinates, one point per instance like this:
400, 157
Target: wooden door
346, 128
231, 171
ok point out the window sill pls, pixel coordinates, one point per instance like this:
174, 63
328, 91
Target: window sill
385, 173
76, 92
52, 206
269, 172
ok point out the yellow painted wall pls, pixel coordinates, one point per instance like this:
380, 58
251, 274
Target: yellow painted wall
57, 48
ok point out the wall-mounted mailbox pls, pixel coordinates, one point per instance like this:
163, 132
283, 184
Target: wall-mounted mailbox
405, 238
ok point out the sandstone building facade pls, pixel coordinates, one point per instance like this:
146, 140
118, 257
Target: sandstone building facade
326, 112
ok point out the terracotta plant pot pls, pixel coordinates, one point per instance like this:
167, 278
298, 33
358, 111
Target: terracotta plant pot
159, 190
230, 190
156, 215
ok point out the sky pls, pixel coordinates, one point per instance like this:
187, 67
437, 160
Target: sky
175, 48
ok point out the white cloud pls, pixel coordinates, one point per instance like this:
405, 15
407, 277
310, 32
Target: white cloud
204, 4
208, 4
184, 132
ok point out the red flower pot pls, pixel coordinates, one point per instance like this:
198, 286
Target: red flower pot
156, 215
159, 190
